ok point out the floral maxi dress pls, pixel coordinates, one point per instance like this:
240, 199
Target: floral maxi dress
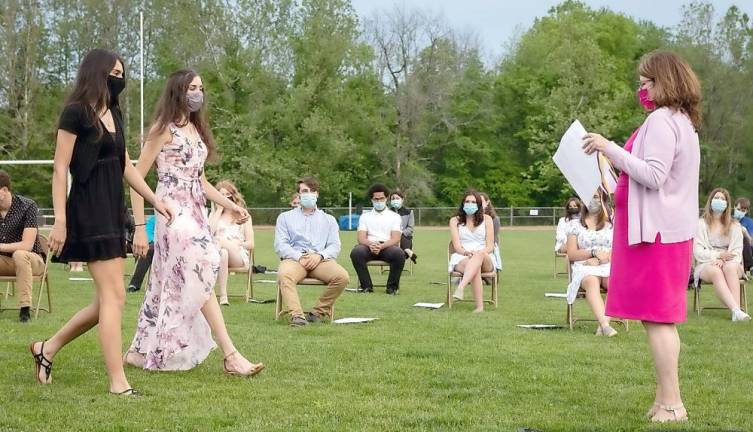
172, 333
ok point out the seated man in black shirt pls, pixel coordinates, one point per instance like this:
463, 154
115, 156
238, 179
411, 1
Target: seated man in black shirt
21, 253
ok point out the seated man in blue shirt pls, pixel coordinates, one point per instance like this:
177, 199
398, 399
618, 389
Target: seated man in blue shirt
742, 206
308, 242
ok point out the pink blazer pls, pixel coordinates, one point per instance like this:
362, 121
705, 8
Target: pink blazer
663, 170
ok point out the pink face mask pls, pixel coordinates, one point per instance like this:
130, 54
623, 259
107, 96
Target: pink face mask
647, 103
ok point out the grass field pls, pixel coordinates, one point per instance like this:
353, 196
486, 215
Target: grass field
412, 369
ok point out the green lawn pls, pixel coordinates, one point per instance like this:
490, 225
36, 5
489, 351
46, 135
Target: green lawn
412, 369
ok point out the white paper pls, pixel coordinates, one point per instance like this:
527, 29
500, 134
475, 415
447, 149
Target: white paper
556, 295
79, 279
580, 169
429, 305
353, 320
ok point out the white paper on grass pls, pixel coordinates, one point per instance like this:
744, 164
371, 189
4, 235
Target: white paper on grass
429, 305
556, 295
580, 169
353, 320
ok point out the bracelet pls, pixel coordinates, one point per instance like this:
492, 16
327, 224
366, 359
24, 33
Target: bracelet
138, 225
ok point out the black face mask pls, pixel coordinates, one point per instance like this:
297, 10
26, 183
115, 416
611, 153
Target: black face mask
572, 211
116, 86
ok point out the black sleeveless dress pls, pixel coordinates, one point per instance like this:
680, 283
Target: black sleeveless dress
95, 209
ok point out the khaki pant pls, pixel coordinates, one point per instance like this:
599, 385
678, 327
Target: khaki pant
330, 272
22, 265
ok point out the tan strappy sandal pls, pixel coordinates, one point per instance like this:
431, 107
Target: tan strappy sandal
671, 409
247, 374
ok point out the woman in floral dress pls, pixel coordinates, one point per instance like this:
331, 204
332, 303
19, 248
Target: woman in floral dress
180, 307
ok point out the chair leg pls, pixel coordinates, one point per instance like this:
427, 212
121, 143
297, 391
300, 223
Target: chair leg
7, 290
449, 292
278, 303
570, 320
743, 297
495, 290
248, 284
697, 299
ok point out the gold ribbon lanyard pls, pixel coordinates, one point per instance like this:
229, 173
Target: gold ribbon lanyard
608, 178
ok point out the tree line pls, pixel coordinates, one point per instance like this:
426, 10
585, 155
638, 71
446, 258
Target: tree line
308, 87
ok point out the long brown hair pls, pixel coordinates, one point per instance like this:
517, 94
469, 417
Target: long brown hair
90, 88
489, 209
173, 108
726, 219
478, 217
601, 219
675, 84
235, 194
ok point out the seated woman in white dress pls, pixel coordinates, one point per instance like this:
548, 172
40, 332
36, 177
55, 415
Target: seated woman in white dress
573, 206
236, 241
589, 248
718, 252
472, 233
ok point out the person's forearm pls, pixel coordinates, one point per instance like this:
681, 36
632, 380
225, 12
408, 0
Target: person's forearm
12, 247
59, 193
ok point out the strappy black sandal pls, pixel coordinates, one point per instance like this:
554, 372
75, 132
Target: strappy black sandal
40, 362
127, 392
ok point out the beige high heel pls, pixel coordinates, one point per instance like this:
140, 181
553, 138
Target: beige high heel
255, 369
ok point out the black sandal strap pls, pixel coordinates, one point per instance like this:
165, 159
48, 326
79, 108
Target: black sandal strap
43, 362
127, 392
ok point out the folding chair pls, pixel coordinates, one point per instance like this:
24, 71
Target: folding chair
384, 266
304, 282
557, 257
697, 297
43, 279
571, 320
249, 271
491, 278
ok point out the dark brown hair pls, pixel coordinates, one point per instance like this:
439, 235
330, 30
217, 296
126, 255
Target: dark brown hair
675, 85
478, 217
173, 108
309, 181
397, 192
90, 88
708, 214
567, 205
4, 179
490, 207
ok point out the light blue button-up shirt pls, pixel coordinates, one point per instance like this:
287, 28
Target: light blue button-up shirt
297, 233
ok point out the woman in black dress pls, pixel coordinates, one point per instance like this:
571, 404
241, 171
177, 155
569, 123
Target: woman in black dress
89, 226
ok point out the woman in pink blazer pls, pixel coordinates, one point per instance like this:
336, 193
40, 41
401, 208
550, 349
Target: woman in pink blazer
656, 216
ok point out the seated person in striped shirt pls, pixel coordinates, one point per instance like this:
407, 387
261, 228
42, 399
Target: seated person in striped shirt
21, 254
307, 240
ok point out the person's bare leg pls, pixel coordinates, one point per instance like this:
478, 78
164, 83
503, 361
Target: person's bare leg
469, 268
592, 286
79, 324
664, 343
108, 279
715, 276
213, 315
732, 277
223, 275
478, 292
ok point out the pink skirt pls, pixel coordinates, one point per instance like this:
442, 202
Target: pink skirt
648, 281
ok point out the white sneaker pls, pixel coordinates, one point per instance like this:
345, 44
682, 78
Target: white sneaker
739, 315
